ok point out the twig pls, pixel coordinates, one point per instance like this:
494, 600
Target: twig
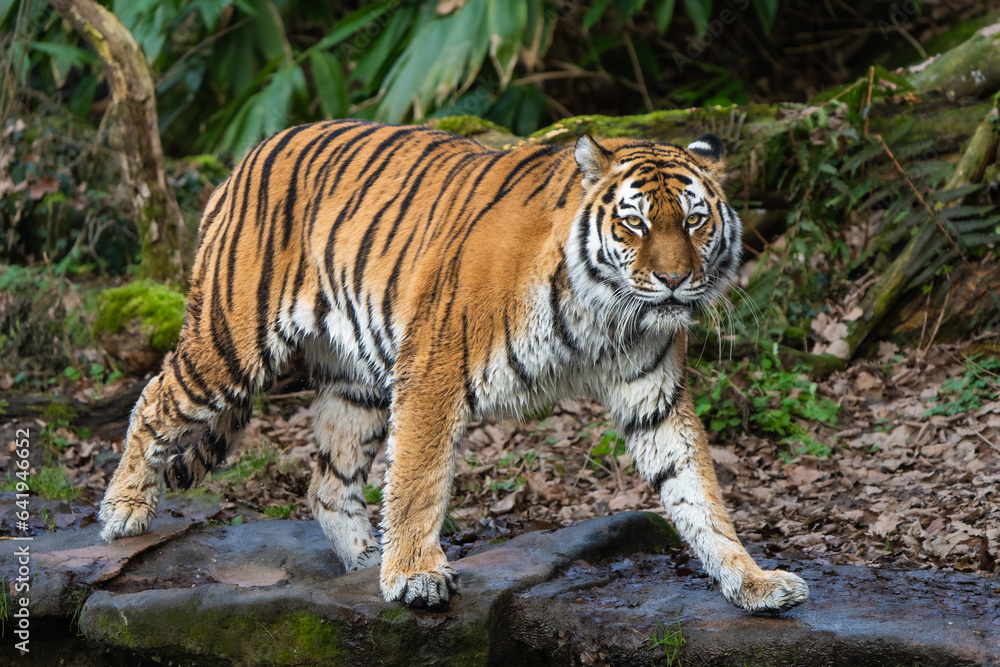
921, 199
305, 393
987, 441
937, 325
910, 38
844, 91
923, 327
638, 72
868, 102
578, 73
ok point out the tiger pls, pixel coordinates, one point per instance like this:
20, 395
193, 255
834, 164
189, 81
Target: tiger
428, 280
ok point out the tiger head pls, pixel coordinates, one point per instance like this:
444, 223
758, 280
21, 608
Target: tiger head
655, 233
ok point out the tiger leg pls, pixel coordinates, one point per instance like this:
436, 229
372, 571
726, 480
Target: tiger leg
350, 427
223, 434
674, 456
168, 407
427, 422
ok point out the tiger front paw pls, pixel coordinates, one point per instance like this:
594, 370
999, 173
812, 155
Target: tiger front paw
430, 590
126, 516
771, 592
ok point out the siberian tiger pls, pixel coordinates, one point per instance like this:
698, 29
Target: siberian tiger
427, 280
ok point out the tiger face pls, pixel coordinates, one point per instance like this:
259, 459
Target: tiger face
656, 230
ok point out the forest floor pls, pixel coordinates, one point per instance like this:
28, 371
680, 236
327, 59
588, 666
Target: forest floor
910, 483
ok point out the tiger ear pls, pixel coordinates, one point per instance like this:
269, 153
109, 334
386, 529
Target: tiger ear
711, 153
593, 159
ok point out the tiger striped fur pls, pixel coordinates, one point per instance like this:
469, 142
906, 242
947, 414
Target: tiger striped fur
428, 280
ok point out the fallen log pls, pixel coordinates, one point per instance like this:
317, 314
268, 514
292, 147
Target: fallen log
106, 418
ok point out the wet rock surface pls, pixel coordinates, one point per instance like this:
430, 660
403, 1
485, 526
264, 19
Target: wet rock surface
270, 593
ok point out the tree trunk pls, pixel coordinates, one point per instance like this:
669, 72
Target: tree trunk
136, 136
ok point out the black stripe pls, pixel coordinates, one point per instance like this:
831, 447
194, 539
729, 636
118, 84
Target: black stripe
574, 177
649, 421
559, 323
293, 186
512, 360
366, 401
664, 476
655, 363
234, 238
470, 391
544, 184
204, 401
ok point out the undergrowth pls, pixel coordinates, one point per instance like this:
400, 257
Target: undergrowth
966, 394
763, 397
50, 482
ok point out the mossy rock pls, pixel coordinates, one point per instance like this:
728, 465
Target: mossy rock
139, 322
467, 126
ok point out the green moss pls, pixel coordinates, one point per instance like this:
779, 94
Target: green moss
391, 614
467, 126
158, 308
663, 534
309, 636
472, 646
59, 412
667, 125
117, 632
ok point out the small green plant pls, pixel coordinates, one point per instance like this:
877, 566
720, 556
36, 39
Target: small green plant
670, 640
4, 606
449, 526
611, 444
253, 463
979, 383
48, 520
779, 404
77, 598
279, 511
373, 494
50, 482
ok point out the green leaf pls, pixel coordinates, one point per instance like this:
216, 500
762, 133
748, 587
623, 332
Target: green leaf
664, 12
767, 10
262, 115
351, 23
64, 57
506, 20
445, 54
210, 11
699, 11
595, 13
269, 30
370, 68
5, 7
331, 86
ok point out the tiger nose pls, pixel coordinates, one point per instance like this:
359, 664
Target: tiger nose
671, 280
